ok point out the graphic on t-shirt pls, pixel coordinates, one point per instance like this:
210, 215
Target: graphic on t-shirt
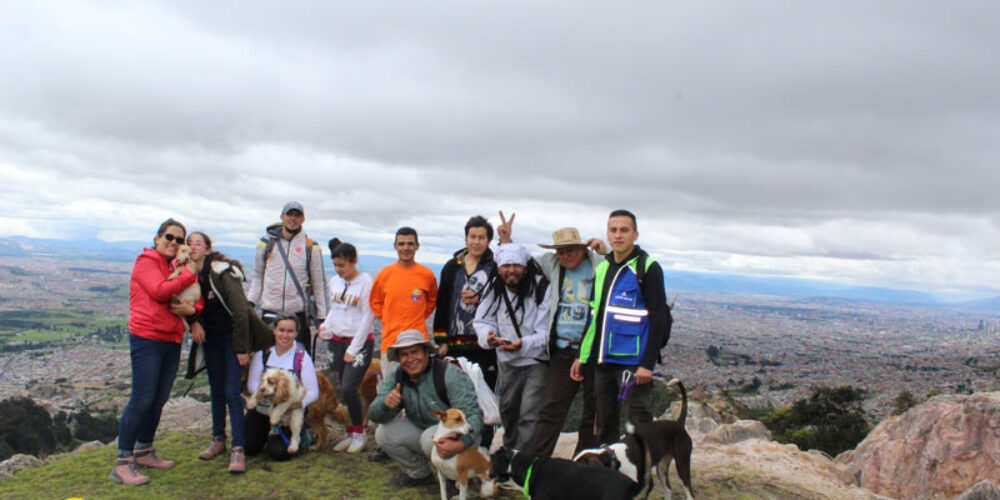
416, 294
465, 313
573, 303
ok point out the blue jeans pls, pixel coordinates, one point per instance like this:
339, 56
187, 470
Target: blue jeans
154, 367
224, 372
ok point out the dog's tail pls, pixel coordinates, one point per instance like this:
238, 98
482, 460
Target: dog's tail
684, 399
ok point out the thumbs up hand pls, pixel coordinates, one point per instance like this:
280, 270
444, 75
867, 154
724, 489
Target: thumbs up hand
394, 398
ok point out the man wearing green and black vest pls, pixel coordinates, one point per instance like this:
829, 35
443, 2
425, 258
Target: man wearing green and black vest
629, 325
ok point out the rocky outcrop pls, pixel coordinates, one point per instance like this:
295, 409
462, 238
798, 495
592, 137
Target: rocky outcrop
983, 490
16, 464
940, 448
740, 430
185, 413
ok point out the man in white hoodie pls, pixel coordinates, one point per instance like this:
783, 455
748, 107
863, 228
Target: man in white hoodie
288, 275
513, 319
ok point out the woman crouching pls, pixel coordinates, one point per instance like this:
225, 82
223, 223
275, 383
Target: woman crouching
290, 356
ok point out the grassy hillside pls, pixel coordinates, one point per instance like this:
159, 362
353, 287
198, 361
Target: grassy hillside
313, 475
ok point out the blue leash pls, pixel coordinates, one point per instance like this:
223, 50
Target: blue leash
276, 429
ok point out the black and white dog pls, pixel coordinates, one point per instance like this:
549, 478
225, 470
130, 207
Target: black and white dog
666, 441
543, 478
646, 451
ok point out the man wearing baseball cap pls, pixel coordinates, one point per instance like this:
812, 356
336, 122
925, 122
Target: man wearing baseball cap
411, 386
570, 271
288, 275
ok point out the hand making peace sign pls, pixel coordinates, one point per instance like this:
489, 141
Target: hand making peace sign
505, 227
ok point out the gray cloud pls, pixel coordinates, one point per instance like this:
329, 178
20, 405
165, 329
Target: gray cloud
849, 141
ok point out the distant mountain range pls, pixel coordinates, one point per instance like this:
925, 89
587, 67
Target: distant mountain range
677, 281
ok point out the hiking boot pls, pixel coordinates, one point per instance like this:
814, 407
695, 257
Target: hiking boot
378, 456
215, 448
148, 458
403, 480
357, 443
343, 444
125, 472
237, 461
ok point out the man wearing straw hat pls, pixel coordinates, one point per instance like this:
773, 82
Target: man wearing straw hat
570, 271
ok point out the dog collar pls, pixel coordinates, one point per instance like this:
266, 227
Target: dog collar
527, 480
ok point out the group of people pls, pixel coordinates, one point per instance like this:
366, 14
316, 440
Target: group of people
538, 327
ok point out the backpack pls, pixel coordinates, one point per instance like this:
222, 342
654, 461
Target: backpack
641, 266
272, 236
438, 368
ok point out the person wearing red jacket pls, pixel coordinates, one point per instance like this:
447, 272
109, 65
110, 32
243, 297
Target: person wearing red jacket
156, 331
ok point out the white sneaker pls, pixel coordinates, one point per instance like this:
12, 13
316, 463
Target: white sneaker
357, 443
343, 444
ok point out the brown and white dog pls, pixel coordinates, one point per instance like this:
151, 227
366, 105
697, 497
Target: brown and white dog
191, 294
325, 406
328, 407
471, 462
281, 389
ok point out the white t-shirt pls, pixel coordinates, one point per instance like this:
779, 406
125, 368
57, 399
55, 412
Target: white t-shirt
307, 374
350, 315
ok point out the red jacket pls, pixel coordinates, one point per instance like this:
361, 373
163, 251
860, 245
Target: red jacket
149, 298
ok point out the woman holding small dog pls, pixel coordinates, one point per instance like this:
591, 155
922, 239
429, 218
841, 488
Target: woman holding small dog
155, 334
227, 333
348, 328
288, 355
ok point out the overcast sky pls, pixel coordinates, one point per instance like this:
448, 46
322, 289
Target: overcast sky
847, 141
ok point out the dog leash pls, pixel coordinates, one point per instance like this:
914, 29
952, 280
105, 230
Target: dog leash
276, 429
628, 383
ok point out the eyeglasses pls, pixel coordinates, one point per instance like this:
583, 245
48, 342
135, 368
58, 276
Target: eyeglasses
170, 237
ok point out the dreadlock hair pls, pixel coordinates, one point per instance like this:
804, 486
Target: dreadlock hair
534, 284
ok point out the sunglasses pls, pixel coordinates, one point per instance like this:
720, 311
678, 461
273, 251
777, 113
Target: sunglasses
170, 237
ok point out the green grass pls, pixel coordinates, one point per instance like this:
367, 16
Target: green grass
312, 475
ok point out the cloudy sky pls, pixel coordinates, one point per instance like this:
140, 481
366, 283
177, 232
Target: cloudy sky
847, 141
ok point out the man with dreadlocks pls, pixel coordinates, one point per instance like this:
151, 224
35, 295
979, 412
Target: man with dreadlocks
513, 319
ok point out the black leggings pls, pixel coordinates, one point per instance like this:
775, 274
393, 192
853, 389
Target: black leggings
350, 377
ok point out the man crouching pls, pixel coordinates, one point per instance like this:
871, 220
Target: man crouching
414, 386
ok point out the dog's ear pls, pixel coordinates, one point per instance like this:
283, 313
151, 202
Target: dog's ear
438, 414
281, 390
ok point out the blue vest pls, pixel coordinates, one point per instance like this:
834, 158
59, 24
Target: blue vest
626, 320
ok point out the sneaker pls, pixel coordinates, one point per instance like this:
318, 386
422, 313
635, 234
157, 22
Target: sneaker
125, 472
378, 456
403, 480
357, 443
343, 444
215, 448
237, 461
148, 458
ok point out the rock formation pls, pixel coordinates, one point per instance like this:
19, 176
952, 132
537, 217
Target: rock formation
940, 448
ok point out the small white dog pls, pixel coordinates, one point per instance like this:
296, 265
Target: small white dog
281, 389
471, 462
